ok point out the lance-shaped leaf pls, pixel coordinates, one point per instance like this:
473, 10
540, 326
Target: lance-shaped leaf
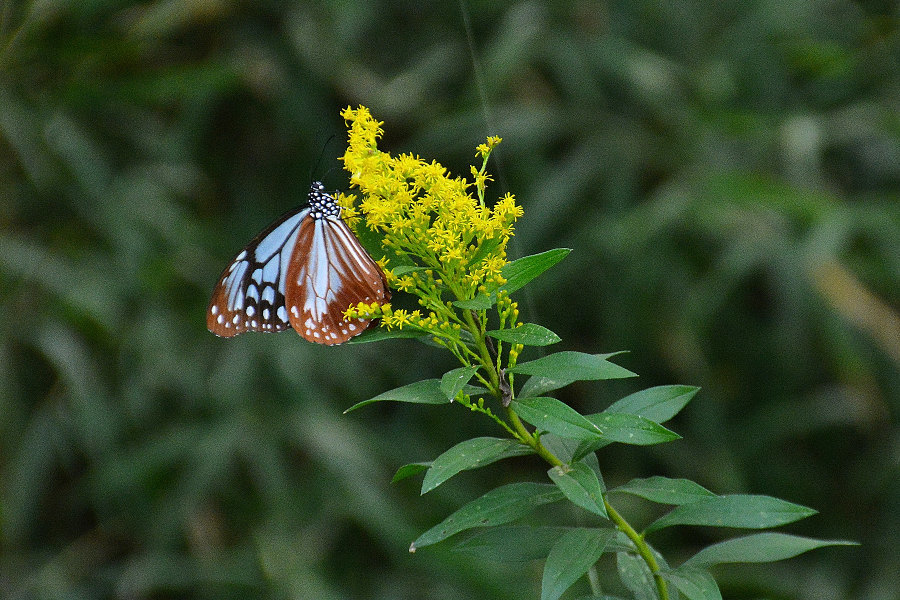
571, 557
636, 576
549, 414
406, 269
625, 429
470, 454
562, 368
581, 486
455, 380
484, 248
527, 334
695, 584
665, 490
513, 543
519, 272
479, 302
737, 510
409, 470
632, 429
379, 334
498, 506
427, 391
659, 404
757, 548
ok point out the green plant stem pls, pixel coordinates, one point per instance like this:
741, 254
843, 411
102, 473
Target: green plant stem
594, 581
526, 437
624, 526
483, 352
642, 548
535, 443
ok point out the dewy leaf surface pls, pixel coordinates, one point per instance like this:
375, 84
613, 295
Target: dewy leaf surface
665, 490
659, 404
549, 414
571, 557
528, 334
737, 510
455, 380
470, 454
562, 368
498, 506
580, 485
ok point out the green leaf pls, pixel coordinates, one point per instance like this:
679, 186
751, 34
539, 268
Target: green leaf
427, 391
405, 269
636, 576
625, 429
454, 381
470, 454
665, 490
659, 404
409, 470
570, 558
562, 368
757, 548
378, 334
498, 506
479, 302
519, 272
631, 429
549, 414
695, 584
591, 461
528, 334
581, 486
485, 248
737, 510
514, 543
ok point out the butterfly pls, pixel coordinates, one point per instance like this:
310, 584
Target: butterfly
303, 271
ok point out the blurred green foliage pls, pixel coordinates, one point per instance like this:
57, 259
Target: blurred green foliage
728, 175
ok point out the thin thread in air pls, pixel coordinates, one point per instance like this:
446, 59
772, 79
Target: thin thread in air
482, 94
526, 294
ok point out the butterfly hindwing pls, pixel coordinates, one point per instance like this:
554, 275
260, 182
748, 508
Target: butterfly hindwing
249, 295
330, 271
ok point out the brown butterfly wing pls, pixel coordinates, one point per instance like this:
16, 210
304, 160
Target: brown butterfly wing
329, 272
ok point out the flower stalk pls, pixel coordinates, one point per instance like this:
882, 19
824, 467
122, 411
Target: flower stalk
448, 248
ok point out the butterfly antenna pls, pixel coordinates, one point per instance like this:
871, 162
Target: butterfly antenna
318, 164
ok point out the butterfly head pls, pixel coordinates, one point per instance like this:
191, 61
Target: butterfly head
321, 202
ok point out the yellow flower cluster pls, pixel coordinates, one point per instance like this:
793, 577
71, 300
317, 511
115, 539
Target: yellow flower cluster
442, 243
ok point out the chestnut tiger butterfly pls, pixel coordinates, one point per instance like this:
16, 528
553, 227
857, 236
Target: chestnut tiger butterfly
303, 271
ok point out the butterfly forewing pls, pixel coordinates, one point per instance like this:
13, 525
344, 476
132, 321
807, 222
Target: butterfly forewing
250, 293
330, 271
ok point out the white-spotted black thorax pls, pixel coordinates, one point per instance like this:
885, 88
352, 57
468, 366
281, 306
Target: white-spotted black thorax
321, 203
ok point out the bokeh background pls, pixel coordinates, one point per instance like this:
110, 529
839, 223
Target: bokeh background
726, 173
